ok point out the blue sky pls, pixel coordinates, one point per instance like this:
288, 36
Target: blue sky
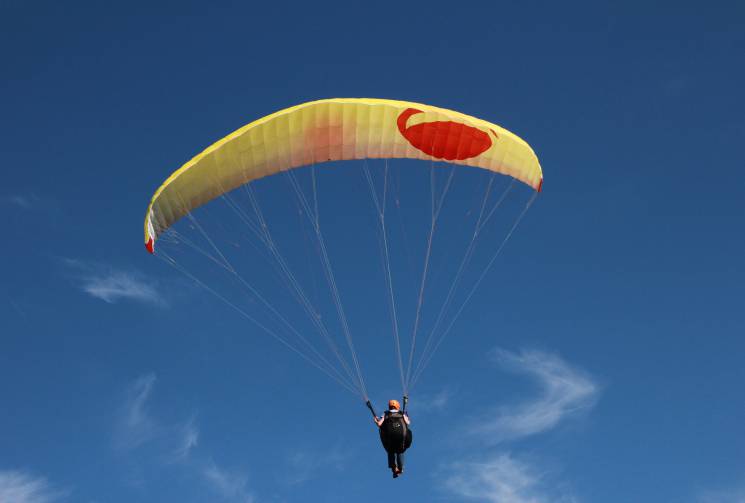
601, 361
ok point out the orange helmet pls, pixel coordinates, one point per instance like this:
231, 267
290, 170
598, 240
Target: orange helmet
393, 404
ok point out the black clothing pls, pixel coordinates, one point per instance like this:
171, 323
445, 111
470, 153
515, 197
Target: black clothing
395, 434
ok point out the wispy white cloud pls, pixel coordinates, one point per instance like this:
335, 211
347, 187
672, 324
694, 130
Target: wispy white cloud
232, 486
135, 424
732, 495
307, 464
188, 439
162, 446
17, 308
564, 391
502, 479
113, 285
25, 201
433, 402
118, 285
20, 487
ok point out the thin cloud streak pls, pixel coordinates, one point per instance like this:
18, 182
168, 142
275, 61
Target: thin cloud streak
500, 479
161, 445
136, 426
118, 285
26, 202
229, 485
565, 391
113, 285
434, 402
17, 308
735, 495
189, 440
305, 465
20, 487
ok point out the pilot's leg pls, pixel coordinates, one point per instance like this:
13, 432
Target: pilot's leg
400, 462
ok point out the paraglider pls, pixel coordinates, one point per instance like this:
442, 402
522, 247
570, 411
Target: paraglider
341, 129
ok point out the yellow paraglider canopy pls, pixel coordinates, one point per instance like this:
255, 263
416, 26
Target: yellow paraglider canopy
334, 130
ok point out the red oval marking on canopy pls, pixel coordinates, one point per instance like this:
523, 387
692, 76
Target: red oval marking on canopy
444, 139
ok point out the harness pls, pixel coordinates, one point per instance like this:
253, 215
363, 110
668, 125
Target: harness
395, 434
